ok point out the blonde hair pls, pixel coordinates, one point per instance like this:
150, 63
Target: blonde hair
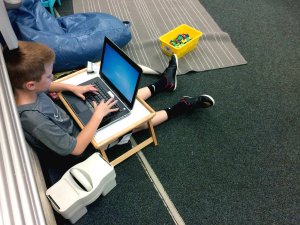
27, 62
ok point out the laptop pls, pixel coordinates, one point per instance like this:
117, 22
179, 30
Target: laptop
119, 78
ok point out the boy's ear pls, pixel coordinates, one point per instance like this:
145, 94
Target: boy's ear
30, 85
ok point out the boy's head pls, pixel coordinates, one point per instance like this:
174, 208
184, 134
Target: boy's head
27, 62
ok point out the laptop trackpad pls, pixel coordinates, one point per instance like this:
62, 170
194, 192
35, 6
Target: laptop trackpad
79, 107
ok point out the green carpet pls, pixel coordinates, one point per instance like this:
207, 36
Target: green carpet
237, 163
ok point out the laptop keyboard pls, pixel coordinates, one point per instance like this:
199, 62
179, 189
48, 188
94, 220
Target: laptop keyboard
102, 94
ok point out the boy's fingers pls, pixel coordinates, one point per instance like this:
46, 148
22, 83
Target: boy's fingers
114, 102
93, 89
81, 96
114, 109
94, 104
109, 100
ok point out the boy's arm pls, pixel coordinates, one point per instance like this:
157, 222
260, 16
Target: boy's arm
58, 87
88, 132
76, 89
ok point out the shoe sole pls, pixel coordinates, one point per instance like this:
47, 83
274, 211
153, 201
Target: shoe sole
176, 58
211, 98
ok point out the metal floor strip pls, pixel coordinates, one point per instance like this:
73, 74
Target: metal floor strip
158, 186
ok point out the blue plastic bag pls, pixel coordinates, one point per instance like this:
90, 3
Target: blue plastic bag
75, 39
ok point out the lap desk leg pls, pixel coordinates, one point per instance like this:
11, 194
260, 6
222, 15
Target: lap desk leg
147, 113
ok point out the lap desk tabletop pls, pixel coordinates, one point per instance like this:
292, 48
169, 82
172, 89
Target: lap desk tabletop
141, 113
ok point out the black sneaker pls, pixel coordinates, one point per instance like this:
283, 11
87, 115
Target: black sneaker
170, 74
202, 101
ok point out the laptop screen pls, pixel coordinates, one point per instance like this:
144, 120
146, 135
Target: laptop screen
120, 72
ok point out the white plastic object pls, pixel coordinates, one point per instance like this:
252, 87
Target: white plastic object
81, 185
81, 178
90, 67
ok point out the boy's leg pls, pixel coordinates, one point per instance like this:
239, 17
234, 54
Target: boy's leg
185, 105
168, 81
160, 117
144, 93
189, 104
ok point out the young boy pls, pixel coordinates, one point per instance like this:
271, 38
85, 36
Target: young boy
47, 126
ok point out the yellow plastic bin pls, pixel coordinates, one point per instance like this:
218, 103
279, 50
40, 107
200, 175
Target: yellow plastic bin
169, 49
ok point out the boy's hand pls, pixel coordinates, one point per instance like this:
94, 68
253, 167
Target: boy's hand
105, 108
80, 90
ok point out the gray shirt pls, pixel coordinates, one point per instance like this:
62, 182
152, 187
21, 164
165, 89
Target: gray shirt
46, 125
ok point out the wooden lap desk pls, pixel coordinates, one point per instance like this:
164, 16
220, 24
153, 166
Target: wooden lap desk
140, 114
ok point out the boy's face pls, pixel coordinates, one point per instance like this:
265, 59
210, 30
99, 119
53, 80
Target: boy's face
46, 79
